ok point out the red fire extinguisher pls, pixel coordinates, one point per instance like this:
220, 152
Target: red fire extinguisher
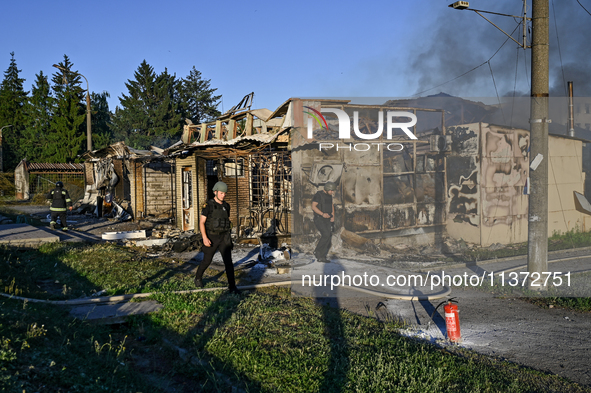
452, 320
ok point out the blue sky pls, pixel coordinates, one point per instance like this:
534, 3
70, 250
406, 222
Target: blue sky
281, 49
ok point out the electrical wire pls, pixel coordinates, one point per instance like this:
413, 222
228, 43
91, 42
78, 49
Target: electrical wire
451, 80
496, 91
514, 88
583, 7
467, 72
559, 51
559, 197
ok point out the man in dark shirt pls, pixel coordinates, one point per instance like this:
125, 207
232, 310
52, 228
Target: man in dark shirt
323, 209
215, 227
60, 203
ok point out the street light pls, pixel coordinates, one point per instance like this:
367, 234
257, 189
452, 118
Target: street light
464, 5
88, 129
1, 158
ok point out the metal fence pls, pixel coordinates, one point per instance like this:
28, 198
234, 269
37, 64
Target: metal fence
42, 183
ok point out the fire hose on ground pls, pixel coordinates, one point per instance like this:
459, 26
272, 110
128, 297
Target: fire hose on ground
123, 298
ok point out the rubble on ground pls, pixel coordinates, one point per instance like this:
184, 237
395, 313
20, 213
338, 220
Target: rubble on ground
5, 220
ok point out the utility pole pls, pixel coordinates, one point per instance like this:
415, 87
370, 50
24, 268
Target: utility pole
537, 232
537, 253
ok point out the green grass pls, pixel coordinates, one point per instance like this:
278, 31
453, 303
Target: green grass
582, 304
265, 340
575, 298
575, 238
43, 349
59, 271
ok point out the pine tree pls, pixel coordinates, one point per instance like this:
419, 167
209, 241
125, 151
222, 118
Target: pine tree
102, 135
65, 140
197, 95
131, 122
150, 113
167, 111
38, 114
12, 101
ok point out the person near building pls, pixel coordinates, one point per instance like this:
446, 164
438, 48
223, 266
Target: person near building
323, 209
60, 203
215, 227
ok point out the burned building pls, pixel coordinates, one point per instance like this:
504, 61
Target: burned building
403, 175
248, 150
389, 187
467, 181
140, 182
488, 168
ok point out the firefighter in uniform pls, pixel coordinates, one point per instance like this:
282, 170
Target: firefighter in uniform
215, 226
323, 219
60, 203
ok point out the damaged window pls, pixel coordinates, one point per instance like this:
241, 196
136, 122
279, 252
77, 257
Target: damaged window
433, 163
414, 176
270, 191
420, 164
187, 188
398, 190
398, 161
270, 180
211, 167
430, 187
233, 168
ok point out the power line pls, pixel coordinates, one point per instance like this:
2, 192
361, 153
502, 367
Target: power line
583, 7
514, 87
467, 72
559, 51
495, 84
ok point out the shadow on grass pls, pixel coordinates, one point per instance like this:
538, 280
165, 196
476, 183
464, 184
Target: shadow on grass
41, 274
336, 375
218, 374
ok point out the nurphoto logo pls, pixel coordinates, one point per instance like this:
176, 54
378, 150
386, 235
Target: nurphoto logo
345, 128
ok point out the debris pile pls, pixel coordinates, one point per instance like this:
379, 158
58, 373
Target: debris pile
268, 254
5, 220
166, 238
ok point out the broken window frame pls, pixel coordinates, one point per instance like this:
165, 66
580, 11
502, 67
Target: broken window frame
420, 169
270, 190
233, 167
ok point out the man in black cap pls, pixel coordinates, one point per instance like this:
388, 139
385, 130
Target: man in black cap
215, 227
60, 203
323, 209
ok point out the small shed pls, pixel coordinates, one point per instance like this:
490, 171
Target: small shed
39, 178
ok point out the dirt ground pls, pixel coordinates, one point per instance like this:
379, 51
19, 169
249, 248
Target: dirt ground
552, 340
